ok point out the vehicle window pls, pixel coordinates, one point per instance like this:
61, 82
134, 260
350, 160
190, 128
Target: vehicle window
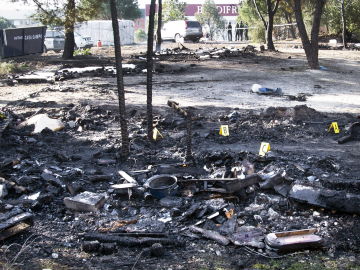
49, 34
193, 24
58, 35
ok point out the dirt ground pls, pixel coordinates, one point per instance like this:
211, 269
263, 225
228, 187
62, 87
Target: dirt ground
217, 92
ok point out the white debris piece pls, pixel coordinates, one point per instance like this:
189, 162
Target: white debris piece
42, 121
86, 201
3, 191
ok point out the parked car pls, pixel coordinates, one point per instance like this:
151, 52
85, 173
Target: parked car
178, 30
55, 40
82, 41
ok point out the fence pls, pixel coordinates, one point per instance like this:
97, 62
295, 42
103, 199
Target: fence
280, 32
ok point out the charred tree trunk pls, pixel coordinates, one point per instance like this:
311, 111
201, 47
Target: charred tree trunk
158, 34
69, 30
120, 82
311, 47
149, 62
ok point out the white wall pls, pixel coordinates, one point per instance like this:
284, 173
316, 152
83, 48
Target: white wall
102, 30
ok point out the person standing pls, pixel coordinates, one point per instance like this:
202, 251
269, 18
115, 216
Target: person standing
229, 28
241, 31
237, 32
246, 28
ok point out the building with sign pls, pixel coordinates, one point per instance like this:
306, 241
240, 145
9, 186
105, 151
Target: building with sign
227, 8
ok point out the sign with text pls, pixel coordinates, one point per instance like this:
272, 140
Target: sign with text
264, 148
224, 130
192, 9
21, 41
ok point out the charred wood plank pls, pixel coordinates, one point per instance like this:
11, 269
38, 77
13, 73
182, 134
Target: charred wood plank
127, 177
236, 186
15, 224
213, 235
132, 241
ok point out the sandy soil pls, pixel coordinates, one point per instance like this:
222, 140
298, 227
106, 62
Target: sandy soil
227, 83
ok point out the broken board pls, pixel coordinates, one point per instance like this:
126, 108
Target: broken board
293, 240
15, 225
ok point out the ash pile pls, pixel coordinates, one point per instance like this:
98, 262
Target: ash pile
55, 179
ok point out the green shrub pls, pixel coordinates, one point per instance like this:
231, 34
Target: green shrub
82, 52
11, 67
257, 34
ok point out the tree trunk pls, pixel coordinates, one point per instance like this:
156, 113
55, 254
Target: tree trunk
149, 71
69, 30
269, 33
270, 26
289, 21
158, 34
311, 47
259, 14
120, 82
261, 18
343, 18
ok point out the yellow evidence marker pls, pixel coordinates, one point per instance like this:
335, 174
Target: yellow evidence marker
224, 130
156, 134
335, 127
264, 148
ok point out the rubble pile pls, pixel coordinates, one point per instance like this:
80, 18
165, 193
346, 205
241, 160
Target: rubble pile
60, 178
183, 54
73, 72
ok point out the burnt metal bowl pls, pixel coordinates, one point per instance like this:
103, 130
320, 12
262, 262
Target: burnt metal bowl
162, 185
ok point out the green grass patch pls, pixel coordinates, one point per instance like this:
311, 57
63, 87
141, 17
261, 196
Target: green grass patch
7, 68
82, 52
313, 263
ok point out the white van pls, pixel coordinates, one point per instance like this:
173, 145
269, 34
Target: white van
182, 30
55, 40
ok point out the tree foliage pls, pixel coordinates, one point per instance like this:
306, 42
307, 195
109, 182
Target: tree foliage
333, 20
5, 23
66, 14
250, 15
268, 20
173, 10
127, 10
211, 18
52, 12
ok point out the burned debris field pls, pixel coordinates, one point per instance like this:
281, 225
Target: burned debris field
204, 194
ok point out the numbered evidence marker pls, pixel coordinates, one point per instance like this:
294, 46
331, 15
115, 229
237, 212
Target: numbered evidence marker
156, 134
335, 127
224, 130
264, 148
